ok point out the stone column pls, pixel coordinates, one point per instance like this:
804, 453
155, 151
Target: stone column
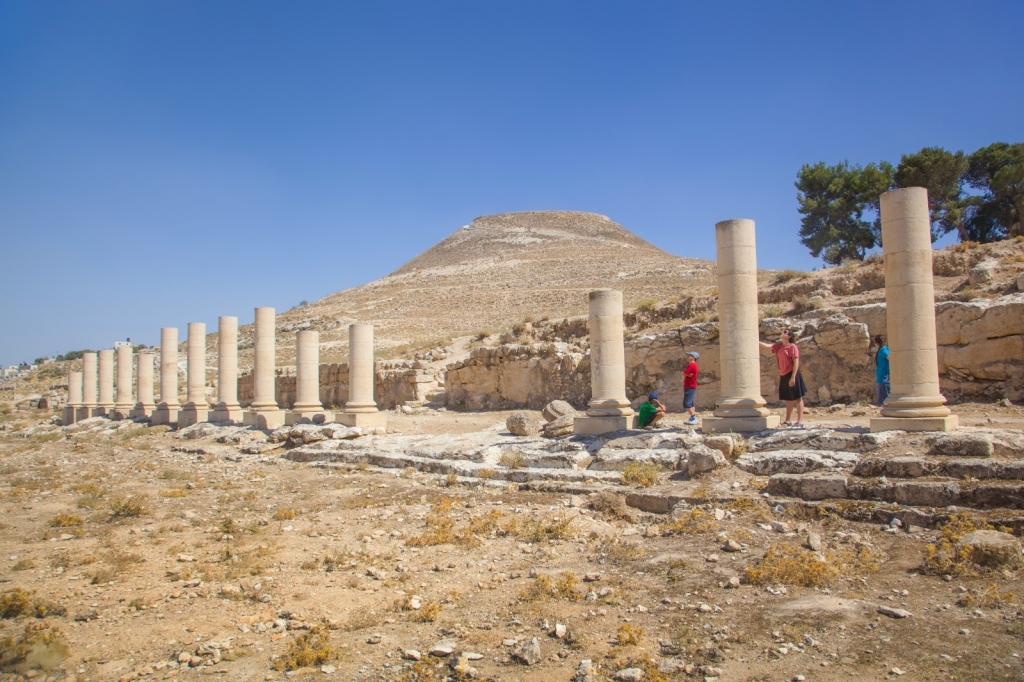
167, 411
105, 399
88, 406
264, 412
740, 406
609, 408
74, 398
360, 408
227, 409
123, 403
197, 407
307, 408
144, 405
914, 403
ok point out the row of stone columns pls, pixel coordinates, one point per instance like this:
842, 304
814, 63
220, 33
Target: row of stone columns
91, 391
915, 402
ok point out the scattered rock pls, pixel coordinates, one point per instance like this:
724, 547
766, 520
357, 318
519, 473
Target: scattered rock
982, 273
992, 548
629, 675
702, 459
723, 444
731, 546
522, 423
894, 612
562, 426
411, 655
814, 542
556, 409
442, 649
528, 653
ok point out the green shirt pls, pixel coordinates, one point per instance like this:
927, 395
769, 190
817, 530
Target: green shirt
647, 411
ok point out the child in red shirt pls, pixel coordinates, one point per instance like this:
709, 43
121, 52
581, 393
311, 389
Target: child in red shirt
690, 386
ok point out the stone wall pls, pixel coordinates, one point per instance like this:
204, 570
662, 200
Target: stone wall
981, 357
395, 383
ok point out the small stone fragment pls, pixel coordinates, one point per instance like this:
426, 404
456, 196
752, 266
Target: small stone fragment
894, 612
629, 675
814, 542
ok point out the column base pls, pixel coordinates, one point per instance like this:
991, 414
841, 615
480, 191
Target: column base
82, 413
947, 423
119, 413
102, 410
142, 411
739, 424
362, 419
164, 415
596, 426
222, 415
190, 415
308, 417
263, 419
67, 415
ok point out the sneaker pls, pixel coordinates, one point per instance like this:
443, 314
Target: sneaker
692, 421
786, 424
799, 425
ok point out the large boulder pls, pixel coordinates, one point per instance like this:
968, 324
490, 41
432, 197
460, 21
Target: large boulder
982, 273
701, 459
522, 423
992, 548
556, 409
562, 426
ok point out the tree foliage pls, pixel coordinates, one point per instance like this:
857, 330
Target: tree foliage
839, 205
979, 196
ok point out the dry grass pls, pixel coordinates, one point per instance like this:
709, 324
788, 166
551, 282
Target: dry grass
285, 514
697, 522
530, 530
988, 598
66, 521
18, 602
611, 506
795, 566
512, 460
949, 558
629, 635
428, 612
616, 550
308, 650
564, 586
783, 276
804, 304
128, 506
642, 474
40, 646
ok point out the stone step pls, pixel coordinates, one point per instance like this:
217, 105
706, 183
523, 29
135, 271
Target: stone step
459, 467
940, 492
918, 467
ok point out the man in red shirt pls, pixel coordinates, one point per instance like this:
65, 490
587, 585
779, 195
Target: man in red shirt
690, 386
791, 383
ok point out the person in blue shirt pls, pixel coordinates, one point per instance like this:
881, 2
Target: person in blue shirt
881, 370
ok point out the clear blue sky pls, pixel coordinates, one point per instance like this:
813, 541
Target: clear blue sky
171, 161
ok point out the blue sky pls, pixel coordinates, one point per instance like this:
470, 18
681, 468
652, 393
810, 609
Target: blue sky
167, 162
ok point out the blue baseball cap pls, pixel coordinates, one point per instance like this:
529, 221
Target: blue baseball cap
694, 354
653, 395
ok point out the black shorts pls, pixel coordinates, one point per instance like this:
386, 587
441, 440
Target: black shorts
795, 392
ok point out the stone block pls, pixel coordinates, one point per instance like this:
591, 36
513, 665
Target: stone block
556, 409
927, 493
308, 417
596, 426
67, 415
225, 415
363, 419
191, 414
701, 459
739, 424
523, 423
823, 487
962, 445
563, 426
263, 419
164, 415
947, 423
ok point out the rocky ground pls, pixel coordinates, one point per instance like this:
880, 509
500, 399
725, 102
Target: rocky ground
449, 547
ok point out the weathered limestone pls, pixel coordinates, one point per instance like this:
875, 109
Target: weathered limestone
360, 409
167, 411
144, 405
68, 414
197, 407
609, 409
307, 408
915, 403
741, 406
88, 407
227, 409
264, 412
105, 398
123, 402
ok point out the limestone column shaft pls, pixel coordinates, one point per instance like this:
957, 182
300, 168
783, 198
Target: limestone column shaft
74, 389
196, 370
360, 369
738, 325
910, 306
123, 402
89, 379
144, 384
307, 371
169, 368
265, 361
607, 356
105, 398
227, 363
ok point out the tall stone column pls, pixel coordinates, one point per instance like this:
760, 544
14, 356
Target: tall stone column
264, 412
105, 399
609, 409
227, 409
914, 403
123, 402
88, 406
144, 404
360, 408
197, 407
307, 408
740, 406
68, 414
167, 411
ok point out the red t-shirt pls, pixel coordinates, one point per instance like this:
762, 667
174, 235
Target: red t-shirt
690, 376
785, 356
